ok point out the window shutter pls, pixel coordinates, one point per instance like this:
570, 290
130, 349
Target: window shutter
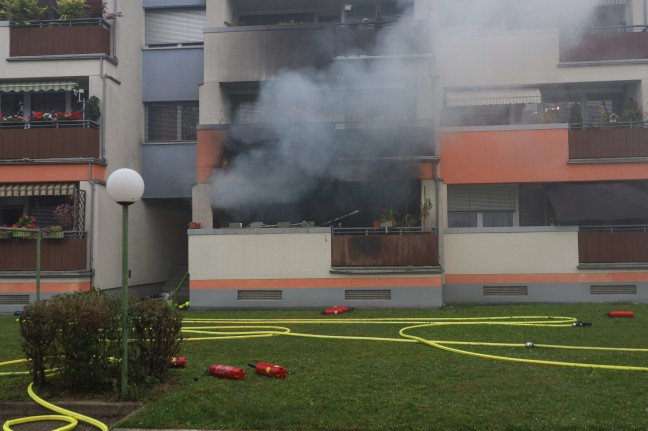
174, 26
481, 198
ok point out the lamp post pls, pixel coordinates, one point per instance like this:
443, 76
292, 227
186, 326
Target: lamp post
125, 186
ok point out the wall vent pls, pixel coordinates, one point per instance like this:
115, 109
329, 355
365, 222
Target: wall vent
609, 289
14, 299
367, 295
260, 295
506, 291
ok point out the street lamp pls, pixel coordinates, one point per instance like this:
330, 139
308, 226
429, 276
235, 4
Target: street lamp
125, 186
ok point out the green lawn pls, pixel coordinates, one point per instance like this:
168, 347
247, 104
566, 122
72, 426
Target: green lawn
379, 385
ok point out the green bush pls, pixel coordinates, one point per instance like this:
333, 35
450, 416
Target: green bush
80, 336
22, 10
71, 9
92, 108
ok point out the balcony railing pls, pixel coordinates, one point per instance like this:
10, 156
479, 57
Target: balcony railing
613, 244
59, 37
44, 140
609, 43
608, 140
384, 247
65, 254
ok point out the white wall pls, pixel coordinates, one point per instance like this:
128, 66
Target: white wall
513, 252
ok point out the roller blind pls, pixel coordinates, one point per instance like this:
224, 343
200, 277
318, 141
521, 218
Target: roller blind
481, 198
174, 26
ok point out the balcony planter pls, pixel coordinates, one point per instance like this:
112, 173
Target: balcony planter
5, 234
53, 235
23, 235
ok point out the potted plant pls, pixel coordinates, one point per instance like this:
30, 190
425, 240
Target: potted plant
25, 222
193, 225
408, 220
388, 218
92, 109
64, 214
53, 232
426, 207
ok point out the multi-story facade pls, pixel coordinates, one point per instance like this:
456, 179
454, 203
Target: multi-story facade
362, 152
59, 67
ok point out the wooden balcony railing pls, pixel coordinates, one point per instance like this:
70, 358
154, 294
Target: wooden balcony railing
44, 140
59, 37
612, 43
612, 140
66, 254
613, 244
385, 247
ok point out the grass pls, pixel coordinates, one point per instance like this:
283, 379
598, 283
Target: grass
377, 385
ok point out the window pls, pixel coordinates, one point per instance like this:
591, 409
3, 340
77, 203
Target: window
171, 121
47, 102
481, 206
173, 27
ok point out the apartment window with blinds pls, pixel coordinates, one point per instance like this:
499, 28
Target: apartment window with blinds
481, 205
168, 122
174, 27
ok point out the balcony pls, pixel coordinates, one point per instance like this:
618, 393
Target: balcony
616, 140
606, 44
254, 53
387, 247
59, 37
44, 140
66, 254
613, 244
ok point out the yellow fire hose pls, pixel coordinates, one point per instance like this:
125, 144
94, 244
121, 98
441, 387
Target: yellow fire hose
226, 329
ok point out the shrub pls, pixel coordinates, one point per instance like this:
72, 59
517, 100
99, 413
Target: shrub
92, 108
79, 334
22, 10
71, 9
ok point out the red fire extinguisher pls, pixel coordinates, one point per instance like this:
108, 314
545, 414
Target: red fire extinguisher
227, 372
266, 369
178, 362
337, 309
620, 313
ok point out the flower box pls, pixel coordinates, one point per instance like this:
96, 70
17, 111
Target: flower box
5, 234
53, 235
21, 234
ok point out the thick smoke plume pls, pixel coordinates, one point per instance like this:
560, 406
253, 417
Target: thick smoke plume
303, 153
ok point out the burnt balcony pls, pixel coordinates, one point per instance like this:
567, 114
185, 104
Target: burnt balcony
45, 140
384, 247
608, 141
59, 37
253, 53
63, 254
611, 43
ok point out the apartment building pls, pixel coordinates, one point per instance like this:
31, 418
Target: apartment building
55, 156
371, 153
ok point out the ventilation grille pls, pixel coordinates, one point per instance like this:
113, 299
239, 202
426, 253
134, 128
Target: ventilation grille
613, 290
260, 295
365, 294
506, 291
14, 299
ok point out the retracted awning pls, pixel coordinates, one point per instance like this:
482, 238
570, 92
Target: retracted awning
41, 189
32, 86
602, 202
492, 96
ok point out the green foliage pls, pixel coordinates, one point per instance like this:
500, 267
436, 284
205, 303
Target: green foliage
156, 337
71, 9
575, 114
408, 220
92, 108
388, 214
22, 10
79, 334
426, 208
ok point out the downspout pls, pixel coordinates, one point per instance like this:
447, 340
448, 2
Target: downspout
102, 144
645, 12
92, 224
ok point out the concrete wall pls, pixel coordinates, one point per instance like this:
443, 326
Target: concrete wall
296, 262
169, 170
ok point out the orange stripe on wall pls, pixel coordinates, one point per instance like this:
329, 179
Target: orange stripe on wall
512, 156
55, 287
50, 173
609, 277
310, 283
209, 151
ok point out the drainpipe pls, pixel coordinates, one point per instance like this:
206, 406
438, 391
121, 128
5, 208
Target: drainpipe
90, 253
645, 12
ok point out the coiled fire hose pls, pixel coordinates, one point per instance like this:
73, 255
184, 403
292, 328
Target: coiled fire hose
226, 329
